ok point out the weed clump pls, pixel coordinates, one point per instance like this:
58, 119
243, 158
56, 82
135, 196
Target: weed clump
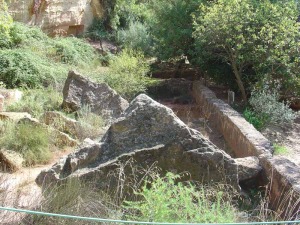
36, 101
127, 74
168, 201
30, 140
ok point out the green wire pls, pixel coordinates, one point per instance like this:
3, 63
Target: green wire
134, 222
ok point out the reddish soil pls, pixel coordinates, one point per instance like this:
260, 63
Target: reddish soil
191, 114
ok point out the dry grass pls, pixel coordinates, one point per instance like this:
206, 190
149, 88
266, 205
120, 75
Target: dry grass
84, 198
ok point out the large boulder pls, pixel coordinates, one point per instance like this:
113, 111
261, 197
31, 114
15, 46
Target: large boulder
148, 133
102, 100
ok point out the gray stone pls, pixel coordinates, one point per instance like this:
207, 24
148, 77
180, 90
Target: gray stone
248, 167
148, 133
102, 100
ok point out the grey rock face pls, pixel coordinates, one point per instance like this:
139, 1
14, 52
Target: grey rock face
102, 100
148, 133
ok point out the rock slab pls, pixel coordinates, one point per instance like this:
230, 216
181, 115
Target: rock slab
10, 161
102, 100
148, 133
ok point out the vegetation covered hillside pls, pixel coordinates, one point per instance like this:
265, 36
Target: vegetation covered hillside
250, 46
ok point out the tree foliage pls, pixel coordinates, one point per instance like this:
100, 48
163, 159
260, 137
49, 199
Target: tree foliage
172, 27
260, 35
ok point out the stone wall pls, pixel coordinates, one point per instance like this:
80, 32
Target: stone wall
281, 175
243, 139
57, 17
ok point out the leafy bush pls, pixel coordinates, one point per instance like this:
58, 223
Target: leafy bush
5, 25
25, 68
73, 51
25, 35
127, 11
127, 74
266, 103
18, 68
258, 121
136, 37
28, 139
167, 201
37, 60
36, 101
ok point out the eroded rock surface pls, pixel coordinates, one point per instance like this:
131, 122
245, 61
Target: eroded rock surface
102, 100
148, 133
57, 17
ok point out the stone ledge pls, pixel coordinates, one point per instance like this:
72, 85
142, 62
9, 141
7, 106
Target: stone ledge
243, 139
282, 175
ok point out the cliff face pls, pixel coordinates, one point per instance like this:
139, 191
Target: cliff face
57, 17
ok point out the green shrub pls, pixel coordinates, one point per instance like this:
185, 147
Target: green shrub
22, 34
5, 25
73, 51
36, 101
127, 74
25, 68
18, 68
136, 37
265, 103
258, 121
167, 201
28, 139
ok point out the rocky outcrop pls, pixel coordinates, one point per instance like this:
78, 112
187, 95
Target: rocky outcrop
148, 133
101, 99
59, 17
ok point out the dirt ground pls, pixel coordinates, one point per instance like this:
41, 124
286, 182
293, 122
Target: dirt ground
191, 115
287, 136
19, 190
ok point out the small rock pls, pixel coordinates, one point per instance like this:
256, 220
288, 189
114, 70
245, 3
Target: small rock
248, 167
14, 116
10, 161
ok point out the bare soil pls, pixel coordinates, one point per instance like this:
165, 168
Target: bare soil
19, 190
192, 115
287, 136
